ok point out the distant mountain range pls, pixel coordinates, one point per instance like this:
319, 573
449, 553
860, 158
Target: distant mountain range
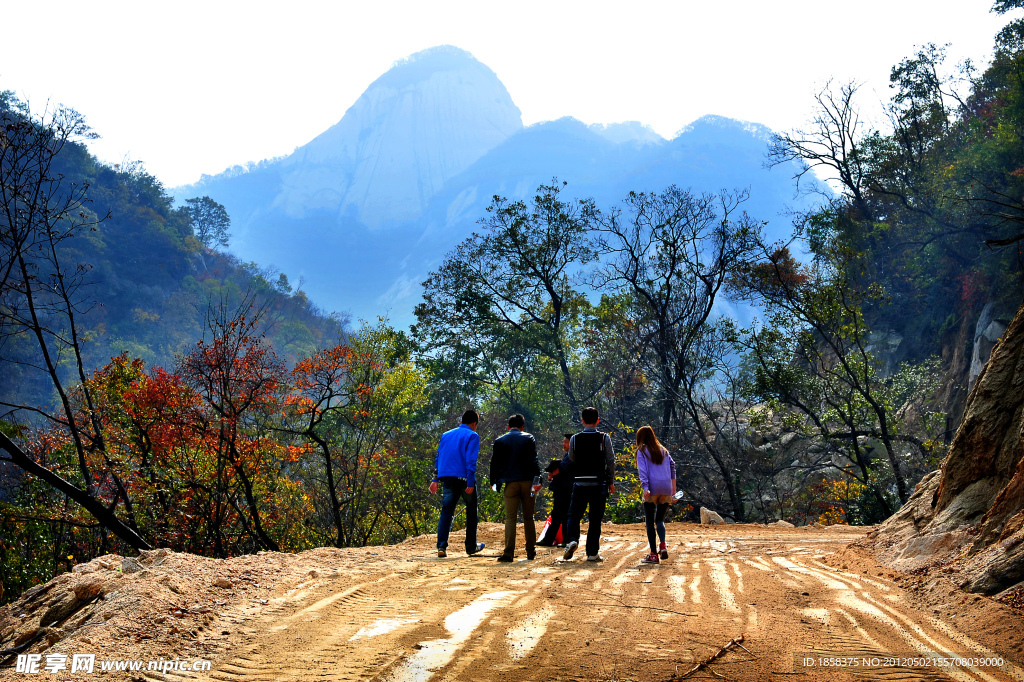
365, 210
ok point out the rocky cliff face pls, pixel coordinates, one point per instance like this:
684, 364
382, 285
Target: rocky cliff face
969, 516
988, 330
427, 119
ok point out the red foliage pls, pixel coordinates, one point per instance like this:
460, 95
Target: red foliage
779, 275
973, 288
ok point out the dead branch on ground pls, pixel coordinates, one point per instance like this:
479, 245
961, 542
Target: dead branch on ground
703, 665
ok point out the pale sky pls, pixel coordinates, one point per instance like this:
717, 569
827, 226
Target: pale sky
194, 87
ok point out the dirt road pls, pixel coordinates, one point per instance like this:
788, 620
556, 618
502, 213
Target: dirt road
404, 614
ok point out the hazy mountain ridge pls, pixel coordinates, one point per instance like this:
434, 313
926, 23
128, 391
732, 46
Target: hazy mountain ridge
392, 150
368, 207
627, 131
402, 139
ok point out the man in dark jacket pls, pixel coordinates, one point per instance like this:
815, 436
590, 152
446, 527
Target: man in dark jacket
560, 480
514, 463
593, 460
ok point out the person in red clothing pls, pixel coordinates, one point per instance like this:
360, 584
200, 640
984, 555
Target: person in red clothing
560, 480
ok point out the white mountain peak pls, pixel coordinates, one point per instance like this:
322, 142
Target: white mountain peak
425, 120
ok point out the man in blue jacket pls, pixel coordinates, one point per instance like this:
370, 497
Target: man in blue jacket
455, 470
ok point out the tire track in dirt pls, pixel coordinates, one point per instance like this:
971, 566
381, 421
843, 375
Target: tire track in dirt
297, 639
470, 618
879, 621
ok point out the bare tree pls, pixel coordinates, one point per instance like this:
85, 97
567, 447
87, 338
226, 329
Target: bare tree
672, 252
833, 140
43, 297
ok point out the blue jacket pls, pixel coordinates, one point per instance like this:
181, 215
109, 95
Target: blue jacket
457, 453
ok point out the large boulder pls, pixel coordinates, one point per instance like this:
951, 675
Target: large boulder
710, 518
972, 509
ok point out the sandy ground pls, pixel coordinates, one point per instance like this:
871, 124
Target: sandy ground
808, 607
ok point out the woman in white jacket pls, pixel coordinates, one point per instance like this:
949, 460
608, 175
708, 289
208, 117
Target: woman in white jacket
658, 480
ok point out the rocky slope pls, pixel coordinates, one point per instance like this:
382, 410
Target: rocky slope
968, 517
427, 119
159, 605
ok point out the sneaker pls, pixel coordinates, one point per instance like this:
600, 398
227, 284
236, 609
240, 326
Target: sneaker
479, 548
442, 553
531, 554
651, 558
596, 557
570, 549
663, 551
505, 559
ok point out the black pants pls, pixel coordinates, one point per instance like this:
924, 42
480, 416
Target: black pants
583, 496
559, 516
654, 515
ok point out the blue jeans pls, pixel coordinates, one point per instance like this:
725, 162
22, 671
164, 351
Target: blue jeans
583, 496
455, 488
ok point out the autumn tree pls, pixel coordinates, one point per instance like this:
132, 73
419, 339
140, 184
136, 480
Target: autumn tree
350, 404
161, 434
237, 375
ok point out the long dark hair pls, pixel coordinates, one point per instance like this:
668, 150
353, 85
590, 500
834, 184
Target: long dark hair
655, 450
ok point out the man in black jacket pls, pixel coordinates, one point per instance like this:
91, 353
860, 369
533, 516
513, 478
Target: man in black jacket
514, 463
593, 460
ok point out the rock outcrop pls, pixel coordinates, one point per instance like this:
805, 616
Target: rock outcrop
710, 518
47, 612
970, 513
987, 332
427, 119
